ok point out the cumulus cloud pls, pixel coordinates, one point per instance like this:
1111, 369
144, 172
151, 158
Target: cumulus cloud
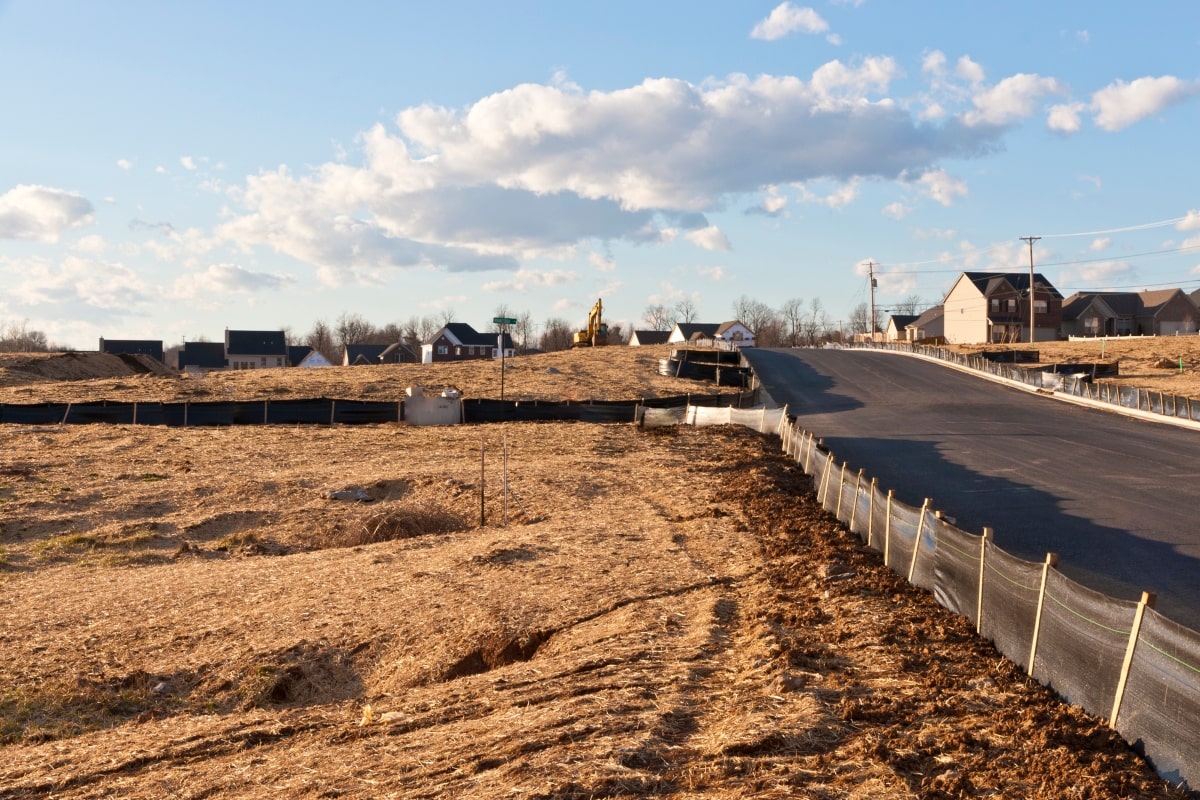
1011, 100
42, 213
187, 162
716, 273
942, 187
76, 285
1190, 222
601, 263
537, 170
1121, 104
710, 238
773, 204
1098, 275
525, 279
219, 280
897, 210
124, 163
1101, 243
786, 19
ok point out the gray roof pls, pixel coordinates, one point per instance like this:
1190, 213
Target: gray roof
651, 337
255, 343
990, 283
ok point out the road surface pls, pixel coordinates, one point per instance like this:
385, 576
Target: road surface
1118, 499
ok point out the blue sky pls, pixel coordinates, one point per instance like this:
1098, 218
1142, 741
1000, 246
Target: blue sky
168, 170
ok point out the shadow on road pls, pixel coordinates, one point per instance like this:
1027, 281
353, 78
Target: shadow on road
1028, 523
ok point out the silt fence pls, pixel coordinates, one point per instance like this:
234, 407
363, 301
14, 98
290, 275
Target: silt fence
1119, 660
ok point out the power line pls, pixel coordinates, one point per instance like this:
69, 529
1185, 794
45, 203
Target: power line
1142, 227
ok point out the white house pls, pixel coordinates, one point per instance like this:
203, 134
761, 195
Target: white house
986, 307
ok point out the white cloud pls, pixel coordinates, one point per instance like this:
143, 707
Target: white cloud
1065, 117
525, 279
1098, 275
211, 286
710, 238
712, 273
897, 210
160, 169
1121, 104
942, 187
187, 162
537, 170
91, 244
1010, 100
87, 287
1101, 243
838, 198
786, 19
1190, 222
934, 63
773, 203
125, 164
934, 233
968, 70
42, 213
601, 263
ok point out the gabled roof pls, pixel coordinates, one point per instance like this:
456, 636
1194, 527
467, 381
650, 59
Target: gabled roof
902, 321
297, 353
255, 343
463, 334
990, 283
927, 316
725, 326
693, 330
207, 355
399, 353
651, 337
149, 347
1120, 304
364, 353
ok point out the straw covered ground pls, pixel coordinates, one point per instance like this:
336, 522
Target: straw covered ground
304, 612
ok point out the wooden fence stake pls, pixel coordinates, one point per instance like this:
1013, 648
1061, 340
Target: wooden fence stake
841, 491
983, 540
1148, 600
1051, 561
912, 565
871, 513
887, 530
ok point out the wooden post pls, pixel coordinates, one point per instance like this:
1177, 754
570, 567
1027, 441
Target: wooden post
912, 565
332, 412
505, 479
1148, 600
983, 540
871, 514
1051, 561
841, 491
887, 529
482, 510
824, 493
854, 508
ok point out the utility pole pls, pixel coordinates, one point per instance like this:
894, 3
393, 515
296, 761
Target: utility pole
871, 275
1031, 240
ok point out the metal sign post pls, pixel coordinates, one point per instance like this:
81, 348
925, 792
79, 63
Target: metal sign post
503, 323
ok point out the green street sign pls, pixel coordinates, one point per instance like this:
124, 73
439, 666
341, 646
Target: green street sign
504, 321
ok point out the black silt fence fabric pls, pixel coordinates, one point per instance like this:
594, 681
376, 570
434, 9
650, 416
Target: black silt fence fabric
956, 569
299, 412
1010, 596
1081, 643
902, 537
88, 413
365, 412
208, 414
1160, 711
33, 414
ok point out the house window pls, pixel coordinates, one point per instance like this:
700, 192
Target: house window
264, 361
495, 352
442, 350
458, 351
1012, 306
1040, 306
995, 304
1091, 326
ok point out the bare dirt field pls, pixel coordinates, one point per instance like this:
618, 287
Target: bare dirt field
614, 373
304, 612
1149, 363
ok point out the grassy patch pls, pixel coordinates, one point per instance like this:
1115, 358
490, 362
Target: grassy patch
400, 523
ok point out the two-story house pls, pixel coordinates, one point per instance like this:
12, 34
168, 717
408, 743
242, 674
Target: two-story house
255, 349
986, 307
458, 341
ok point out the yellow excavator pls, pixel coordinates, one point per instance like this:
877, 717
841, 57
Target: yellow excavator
596, 333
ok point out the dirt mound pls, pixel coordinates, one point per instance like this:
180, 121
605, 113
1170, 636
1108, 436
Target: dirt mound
24, 368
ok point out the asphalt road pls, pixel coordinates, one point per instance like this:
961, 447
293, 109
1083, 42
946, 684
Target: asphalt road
1118, 499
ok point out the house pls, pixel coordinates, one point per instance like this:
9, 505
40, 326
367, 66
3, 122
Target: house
255, 349
646, 338
728, 334
399, 353
929, 327
132, 347
458, 341
200, 357
1162, 312
301, 355
357, 355
896, 325
986, 307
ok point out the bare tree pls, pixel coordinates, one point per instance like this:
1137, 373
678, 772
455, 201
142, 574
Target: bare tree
523, 332
816, 321
446, 315
657, 317
911, 305
860, 319
429, 328
792, 312
557, 334
685, 310
616, 334
18, 337
756, 316
352, 329
320, 338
